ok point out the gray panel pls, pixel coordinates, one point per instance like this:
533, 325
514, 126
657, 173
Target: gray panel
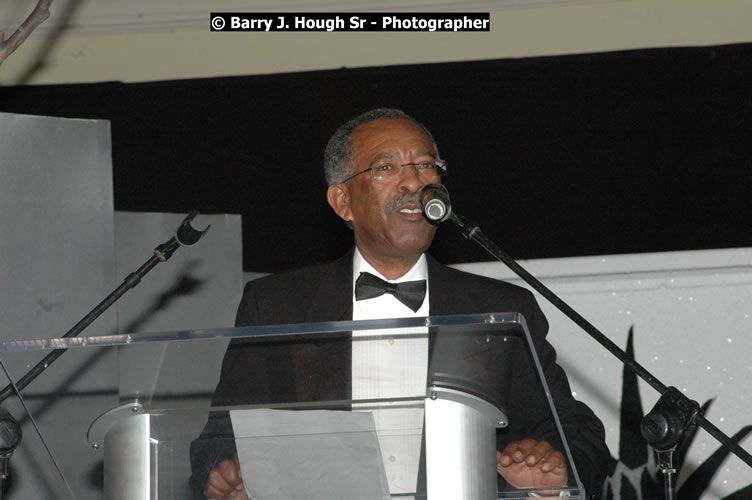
56, 264
199, 287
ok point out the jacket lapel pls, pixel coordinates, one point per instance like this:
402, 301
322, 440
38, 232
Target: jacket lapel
450, 345
323, 366
438, 283
333, 299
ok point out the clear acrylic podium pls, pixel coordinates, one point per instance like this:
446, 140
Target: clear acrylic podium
157, 425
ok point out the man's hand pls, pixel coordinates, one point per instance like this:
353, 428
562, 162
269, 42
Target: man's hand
226, 482
532, 464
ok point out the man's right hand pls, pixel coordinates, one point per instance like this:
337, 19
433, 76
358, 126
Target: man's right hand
226, 481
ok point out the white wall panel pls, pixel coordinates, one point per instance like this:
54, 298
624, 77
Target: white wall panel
692, 318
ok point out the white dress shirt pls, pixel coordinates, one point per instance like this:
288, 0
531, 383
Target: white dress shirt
392, 367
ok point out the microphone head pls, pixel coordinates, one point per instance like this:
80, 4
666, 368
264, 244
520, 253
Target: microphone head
434, 200
435, 210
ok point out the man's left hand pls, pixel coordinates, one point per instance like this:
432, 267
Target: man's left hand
532, 464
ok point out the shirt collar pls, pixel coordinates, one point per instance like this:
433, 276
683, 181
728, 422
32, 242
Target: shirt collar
418, 272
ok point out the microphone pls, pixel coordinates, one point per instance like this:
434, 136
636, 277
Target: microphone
434, 199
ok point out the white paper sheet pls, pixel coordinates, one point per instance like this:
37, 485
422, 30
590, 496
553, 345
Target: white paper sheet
311, 454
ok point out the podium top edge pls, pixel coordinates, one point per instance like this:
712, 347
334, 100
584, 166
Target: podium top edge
468, 322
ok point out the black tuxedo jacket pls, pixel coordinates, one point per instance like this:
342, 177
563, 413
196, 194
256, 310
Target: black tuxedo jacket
279, 372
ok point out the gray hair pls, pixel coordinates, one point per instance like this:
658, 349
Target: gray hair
338, 155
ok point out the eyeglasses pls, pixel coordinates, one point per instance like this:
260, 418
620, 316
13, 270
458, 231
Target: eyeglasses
428, 171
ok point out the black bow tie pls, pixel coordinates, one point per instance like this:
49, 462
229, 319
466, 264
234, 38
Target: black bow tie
410, 293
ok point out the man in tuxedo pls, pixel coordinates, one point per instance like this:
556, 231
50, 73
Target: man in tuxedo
375, 165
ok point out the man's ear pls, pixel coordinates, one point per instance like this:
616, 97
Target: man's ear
338, 196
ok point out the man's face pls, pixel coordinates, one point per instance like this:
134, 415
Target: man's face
386, 216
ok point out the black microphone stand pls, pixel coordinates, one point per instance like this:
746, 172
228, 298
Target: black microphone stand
10, 431
665, 425
10, 436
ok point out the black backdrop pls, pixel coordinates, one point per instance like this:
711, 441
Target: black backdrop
637, 151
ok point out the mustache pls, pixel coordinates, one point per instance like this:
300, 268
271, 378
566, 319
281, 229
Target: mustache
407, 199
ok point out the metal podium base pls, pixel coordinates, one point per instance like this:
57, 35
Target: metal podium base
129, 467
460, 445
